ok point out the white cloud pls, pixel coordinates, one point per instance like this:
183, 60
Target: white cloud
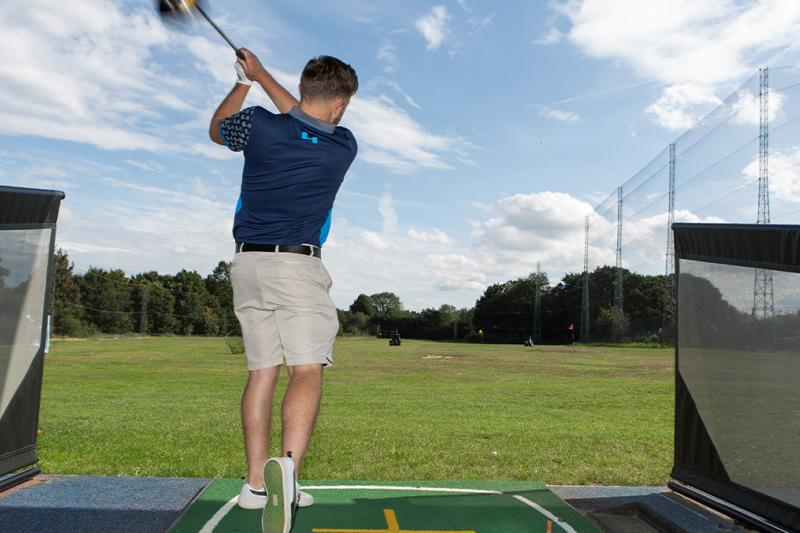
435, 235
784, 174
679, 106
552, 36
93, 80
398, 89
480, 23
533, 221
375, 240
365, 261
147, 166
388, 214
513, 233
746, 109
525, 228
98, 79
456, 272
694, 47
89, 248
434, 26
645, 240
388, 136
387, 52
186, 198
569, 117
142, 226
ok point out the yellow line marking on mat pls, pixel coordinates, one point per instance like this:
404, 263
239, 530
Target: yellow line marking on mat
563, 525
392, 526
219, 515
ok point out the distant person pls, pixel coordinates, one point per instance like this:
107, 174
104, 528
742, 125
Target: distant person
294, 164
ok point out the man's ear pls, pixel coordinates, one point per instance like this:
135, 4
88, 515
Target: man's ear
339, 106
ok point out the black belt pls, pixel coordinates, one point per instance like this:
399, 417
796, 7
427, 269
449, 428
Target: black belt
303, 249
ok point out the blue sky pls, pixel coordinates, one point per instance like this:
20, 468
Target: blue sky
487, 130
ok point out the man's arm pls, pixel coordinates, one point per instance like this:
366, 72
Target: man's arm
231, 105
253, 69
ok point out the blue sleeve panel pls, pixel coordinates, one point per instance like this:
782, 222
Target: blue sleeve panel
293, 169
326, 228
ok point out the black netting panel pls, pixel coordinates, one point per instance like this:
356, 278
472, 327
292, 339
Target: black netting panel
741, 367
24, 259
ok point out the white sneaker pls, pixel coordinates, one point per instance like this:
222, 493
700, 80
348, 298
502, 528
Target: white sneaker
250, 498
281, 487
304, 499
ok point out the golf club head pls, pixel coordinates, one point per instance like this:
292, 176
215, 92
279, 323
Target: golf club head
178, 10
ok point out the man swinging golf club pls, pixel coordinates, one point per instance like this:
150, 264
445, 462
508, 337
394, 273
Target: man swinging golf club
294, 163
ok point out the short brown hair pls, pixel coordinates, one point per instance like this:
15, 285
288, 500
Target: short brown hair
326, 77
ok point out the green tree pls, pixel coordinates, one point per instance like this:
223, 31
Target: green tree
353, 323
363, 304
66, 310
159, 300
505, 310
106, 297
219, 287
386, 303
195, 309
612, 324
448, 314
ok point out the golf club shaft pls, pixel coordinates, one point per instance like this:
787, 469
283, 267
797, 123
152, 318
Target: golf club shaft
239, 53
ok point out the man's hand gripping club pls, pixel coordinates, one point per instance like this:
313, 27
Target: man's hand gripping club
247, 69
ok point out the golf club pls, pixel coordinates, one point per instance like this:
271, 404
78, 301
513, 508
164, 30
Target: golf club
182, 9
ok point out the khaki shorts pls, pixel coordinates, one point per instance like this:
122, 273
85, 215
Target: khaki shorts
283, 304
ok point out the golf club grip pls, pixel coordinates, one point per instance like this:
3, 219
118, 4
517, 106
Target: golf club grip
240, 54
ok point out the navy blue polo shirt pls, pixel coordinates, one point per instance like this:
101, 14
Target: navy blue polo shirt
294, 165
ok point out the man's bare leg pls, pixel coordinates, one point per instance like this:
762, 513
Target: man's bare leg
299, 410
256, 419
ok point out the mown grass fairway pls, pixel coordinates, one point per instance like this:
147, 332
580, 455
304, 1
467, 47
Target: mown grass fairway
423, 411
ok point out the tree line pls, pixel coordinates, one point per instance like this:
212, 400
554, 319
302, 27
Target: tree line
186, 303
107, 301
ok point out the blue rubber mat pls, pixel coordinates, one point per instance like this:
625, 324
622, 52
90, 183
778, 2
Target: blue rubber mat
92, 504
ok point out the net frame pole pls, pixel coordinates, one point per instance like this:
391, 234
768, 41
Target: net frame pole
619, 325
668, 315
584, 332
763, 289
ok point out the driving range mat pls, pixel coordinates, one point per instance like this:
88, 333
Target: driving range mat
397, 507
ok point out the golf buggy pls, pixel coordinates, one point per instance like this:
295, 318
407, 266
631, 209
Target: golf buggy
395, 339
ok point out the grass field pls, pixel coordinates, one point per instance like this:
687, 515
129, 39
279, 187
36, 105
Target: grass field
424, 411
